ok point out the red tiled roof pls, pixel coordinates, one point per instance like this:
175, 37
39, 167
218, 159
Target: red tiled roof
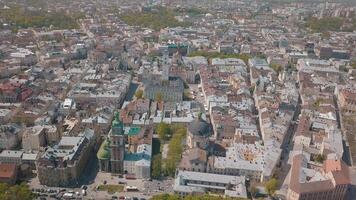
7, 170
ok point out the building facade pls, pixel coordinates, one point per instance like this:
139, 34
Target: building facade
330, 182
63, 164
112, 150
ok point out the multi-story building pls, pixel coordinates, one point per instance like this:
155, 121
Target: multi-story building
9, 136
139, 162
63, 164
112, 150
309, 181
11, 157
14, 92
347, 99
194, 159
255, 161
33, 138
198, 134
135, 160
168, 90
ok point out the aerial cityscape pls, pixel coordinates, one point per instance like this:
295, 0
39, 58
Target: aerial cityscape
178, 99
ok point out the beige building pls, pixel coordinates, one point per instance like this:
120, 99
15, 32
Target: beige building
63, 164
308, 182
36, 137
198, 134
194, 160
347, 100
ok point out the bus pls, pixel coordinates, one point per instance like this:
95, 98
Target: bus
131, 188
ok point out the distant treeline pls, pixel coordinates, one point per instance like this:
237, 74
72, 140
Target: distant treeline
331, 24
156, 19
16, 18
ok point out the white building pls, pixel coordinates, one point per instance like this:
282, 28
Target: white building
255, 161
187, 182
139, 163
11, 157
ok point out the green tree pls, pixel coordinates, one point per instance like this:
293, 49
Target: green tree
20, 191
271, 186
276, 67
252, 89
175, 150
353, 65
139, 94
156, 19
317, 103
157, 166
164, 131
158, 97
187, 96
320, 158
165, 197
325, 24
23, 18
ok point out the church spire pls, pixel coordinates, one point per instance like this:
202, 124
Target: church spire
117, 126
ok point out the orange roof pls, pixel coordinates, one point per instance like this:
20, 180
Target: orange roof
339, 170
7, 170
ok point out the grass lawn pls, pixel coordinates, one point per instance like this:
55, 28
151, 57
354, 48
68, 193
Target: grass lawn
111, 189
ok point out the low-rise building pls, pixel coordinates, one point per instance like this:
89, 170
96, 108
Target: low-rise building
8, 173
187, 182
11, 157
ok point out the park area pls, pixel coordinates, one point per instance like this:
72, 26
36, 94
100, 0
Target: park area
171, 136
111, 189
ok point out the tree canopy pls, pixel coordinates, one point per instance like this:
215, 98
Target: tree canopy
353, 65
164, 131
139, 94
18, 17
155, 19
276, 67
157, 166
320, 158
326, 24
175, 150
174, 135
271, 186
20, 191
158, 97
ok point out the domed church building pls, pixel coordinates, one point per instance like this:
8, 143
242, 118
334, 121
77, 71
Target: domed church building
198, 135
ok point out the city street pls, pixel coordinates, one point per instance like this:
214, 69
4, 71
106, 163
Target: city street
146, 188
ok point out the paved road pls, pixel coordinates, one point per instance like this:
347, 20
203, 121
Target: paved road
132, 90
287, 146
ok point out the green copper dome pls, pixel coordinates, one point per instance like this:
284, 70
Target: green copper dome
104, 151
117, 126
